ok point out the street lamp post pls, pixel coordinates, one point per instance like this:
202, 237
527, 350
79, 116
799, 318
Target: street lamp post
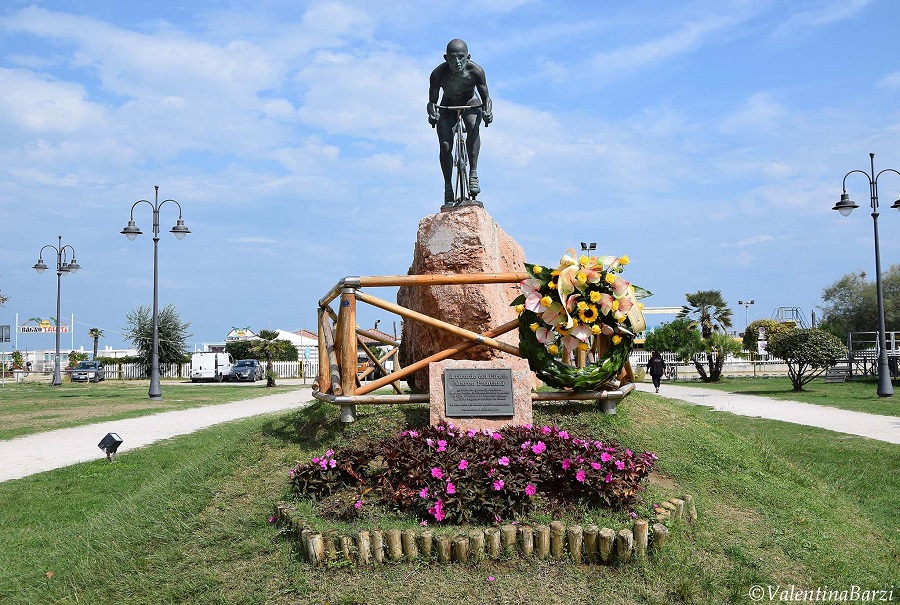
746, 304
62, 268
845, 207
131, 231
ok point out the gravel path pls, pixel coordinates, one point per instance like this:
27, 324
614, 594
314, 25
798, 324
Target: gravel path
873, 426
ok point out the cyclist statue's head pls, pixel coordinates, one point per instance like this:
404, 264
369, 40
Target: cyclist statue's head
457, 56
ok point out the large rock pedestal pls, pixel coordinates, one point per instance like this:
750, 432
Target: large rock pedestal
462, 240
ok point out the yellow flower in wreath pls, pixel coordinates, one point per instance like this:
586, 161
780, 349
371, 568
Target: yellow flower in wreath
552, 285
520, 308
610, 278
584, 261
595, 330
583, 346
595, 296
616, 339
546, 301
624, 260
553, 349
537, 269
589, 314
534, 327
582, 305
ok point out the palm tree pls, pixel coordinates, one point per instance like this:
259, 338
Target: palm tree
269, 346
95, 333
708, 311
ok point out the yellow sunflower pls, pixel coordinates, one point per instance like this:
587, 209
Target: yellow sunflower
588, 314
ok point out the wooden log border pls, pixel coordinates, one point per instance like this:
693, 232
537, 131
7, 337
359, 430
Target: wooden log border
590, 545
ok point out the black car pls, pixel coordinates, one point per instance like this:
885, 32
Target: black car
88, 371
247, 369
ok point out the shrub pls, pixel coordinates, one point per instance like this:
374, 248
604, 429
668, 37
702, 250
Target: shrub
807, 352
442, 473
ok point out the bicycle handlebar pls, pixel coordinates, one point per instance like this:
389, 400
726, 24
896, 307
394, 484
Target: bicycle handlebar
458, 107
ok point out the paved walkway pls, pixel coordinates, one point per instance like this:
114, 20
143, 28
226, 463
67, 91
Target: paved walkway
873, 426
54, 449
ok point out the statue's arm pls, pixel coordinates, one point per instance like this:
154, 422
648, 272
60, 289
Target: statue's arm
434, 90
482, 87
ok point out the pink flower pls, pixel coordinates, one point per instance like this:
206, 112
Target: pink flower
504, 461
471, 432
451, 489
527, 427
451, 426
498, 485
566, 464
580, 475
423, 493
628, 453
463, 464
608, 478
563, 435
605, 457
442, 445
329, 453
437, 511
530, 489
271, 519
437, 473
332, 463
429, 441
496, 436
596, 466
357, 505
633, 515
492, 472
620, 464
424, 522
546, 430
414, 434
490, 578
538, 447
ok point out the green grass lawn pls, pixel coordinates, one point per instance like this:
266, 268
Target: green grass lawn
856, 395
32, 407
187, 520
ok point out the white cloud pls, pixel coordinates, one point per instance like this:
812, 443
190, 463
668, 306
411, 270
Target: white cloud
759, 114
40, 104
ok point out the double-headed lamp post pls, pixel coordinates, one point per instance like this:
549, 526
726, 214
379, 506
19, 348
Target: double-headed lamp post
746, 304
845, 207
62, 268
131, 231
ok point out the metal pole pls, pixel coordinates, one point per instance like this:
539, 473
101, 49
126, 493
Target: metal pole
57, 377
885, 388
155, 391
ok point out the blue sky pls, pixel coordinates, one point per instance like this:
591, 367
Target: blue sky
705, 140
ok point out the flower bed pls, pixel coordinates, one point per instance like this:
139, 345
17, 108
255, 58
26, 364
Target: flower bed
443, 474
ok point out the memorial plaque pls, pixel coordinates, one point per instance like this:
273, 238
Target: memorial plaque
472, 393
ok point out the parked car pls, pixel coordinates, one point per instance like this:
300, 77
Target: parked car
88, 371
247, 369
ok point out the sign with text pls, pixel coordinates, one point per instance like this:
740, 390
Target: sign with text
472, 393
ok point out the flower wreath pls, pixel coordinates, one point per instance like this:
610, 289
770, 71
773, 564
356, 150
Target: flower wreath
583, 304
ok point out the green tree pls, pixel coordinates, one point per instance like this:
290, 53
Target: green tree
770, 328
675, 336
708, 312
269, 347
807, 352
173, 334
95, 333
244, 349
851, 304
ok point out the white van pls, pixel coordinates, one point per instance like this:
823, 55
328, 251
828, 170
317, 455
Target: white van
210, 366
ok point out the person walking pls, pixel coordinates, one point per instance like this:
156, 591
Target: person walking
657, 367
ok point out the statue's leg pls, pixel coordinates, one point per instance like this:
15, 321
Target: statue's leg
473, 147
445, 138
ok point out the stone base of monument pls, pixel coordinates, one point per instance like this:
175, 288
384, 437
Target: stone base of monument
480, 394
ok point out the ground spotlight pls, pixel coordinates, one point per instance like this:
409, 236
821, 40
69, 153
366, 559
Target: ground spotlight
110, 444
